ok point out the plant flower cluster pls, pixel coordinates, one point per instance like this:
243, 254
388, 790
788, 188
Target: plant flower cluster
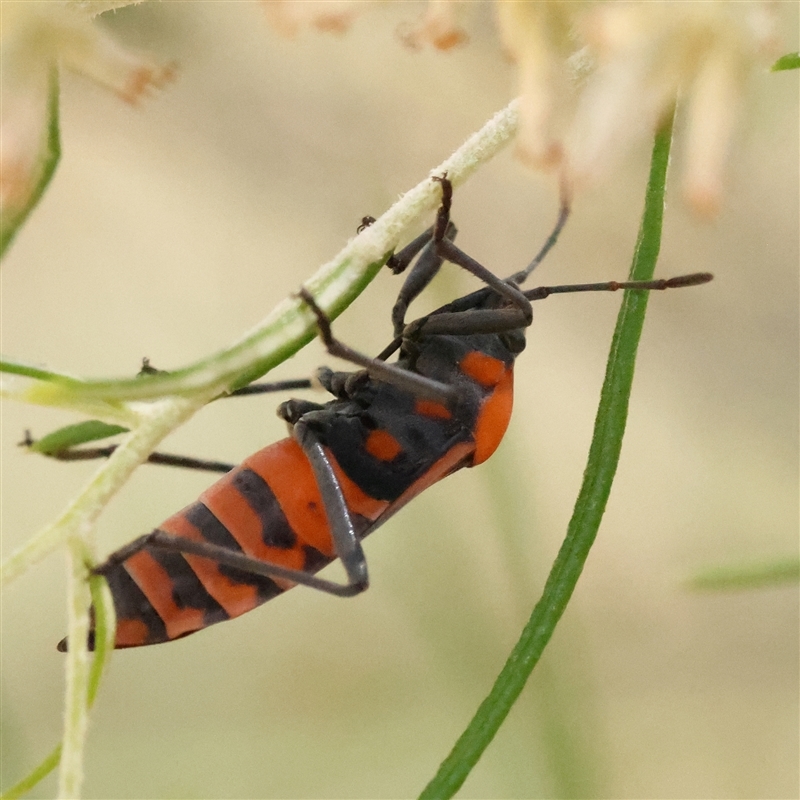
596, 78
36, 39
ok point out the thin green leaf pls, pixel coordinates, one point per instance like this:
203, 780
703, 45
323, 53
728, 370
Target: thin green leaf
35, 776
789, 61
73, 435
591, 502
30, 371
748, 576
47, 162
105, 625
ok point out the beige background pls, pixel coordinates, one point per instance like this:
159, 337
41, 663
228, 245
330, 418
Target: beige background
171, 229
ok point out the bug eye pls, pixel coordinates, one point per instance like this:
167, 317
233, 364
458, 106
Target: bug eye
514, 341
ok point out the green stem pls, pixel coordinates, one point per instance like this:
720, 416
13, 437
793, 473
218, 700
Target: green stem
291, 325
76, 711
590, 505
104, 643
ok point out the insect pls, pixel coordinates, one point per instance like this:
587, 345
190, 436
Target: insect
391, 431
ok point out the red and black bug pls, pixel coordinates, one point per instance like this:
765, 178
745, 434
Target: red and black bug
392, 430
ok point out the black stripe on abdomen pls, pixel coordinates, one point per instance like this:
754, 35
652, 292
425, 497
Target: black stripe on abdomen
130, 602
187, 590
214, 532
275, 528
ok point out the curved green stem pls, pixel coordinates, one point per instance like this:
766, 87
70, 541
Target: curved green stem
46, 163
291, 325
590, 505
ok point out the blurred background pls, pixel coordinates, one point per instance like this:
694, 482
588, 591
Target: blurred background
172, 228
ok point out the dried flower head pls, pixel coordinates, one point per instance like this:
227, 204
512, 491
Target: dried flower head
652, 54
645, 57
289, 17
538, 38
595, 77
35, 40
437, 27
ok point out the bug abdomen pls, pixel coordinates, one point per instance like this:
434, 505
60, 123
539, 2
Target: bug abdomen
269, 508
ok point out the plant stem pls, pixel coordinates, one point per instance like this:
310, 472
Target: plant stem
590, 505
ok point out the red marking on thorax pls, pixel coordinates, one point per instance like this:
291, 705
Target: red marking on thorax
382, 445
493, 418
432, 409
487, 371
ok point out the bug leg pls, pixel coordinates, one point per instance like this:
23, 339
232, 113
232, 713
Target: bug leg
167, 459
147, 368
346, 543
345, 540
162, 540
341, 384
398, 262
564, 209
427, 266
252, 388
76, 453
454, 255
517, 314
465, 323
292, 410
275, 386
378, 369
450, 252
658, 284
